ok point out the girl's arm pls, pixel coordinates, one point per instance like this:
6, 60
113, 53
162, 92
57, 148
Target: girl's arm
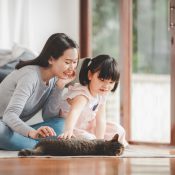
101, 122
77, 105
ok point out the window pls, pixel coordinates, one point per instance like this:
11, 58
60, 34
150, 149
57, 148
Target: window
105, 40
150, 116
137, 33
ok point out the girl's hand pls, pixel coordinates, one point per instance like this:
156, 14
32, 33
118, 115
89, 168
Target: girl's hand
43, 131
67, 134
61, 82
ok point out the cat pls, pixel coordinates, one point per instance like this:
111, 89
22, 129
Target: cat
75, 147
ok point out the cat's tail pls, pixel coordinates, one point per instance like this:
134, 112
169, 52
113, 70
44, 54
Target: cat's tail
25, 152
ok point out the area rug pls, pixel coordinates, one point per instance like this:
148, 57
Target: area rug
8, 154
132, 151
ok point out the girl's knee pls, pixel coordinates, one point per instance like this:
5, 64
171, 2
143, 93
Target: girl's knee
123, 131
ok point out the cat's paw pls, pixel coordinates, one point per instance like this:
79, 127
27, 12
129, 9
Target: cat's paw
25, 152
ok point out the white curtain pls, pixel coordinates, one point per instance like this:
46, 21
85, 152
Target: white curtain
30, 22
14, 23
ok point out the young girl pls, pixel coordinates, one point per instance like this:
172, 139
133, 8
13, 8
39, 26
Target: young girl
34, 85
83, 105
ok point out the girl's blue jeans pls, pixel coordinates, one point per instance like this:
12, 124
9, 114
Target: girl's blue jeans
10, 140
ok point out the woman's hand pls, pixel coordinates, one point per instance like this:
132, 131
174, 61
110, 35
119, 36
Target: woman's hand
67, 134
61, 82
43, 131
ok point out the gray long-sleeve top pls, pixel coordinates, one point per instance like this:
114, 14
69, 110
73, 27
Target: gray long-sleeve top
20, 92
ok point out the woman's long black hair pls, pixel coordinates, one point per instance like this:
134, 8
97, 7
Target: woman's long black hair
55, 47
105, 64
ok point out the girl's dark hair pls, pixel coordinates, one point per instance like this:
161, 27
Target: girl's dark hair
55, 47
106, 65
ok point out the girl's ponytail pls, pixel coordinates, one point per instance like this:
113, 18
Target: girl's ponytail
83, 75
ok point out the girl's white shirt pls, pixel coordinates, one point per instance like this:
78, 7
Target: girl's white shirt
89, 112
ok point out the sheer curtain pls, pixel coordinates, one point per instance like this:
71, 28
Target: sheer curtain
14, 23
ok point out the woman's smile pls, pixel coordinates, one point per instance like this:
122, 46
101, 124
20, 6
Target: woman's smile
68, 74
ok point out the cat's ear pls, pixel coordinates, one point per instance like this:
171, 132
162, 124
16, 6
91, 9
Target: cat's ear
115, 138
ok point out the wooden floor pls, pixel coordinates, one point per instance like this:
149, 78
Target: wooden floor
87, 166
92, 165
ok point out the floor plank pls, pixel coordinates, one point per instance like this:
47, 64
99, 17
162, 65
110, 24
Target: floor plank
87, 166
137, 160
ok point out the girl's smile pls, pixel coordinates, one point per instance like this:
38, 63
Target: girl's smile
98, 85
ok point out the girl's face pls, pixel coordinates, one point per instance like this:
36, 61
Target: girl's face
98, 85
65, 66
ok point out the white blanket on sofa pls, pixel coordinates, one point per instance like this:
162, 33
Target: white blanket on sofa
7, 56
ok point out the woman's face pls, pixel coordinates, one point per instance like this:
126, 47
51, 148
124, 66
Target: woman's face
65, 66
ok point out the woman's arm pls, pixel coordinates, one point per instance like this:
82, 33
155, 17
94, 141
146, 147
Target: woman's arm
16, 104
22, 92
52, 106
77, 105
100, 122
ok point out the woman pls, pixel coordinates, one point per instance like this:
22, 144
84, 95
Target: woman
34, 85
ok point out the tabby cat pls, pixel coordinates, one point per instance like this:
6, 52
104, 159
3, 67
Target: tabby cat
75, 147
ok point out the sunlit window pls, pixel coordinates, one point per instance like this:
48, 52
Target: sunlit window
151, 69
105, 40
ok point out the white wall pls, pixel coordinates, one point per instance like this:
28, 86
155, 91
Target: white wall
52, 16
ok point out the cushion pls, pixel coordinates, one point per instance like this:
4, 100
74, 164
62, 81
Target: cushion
10, 66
